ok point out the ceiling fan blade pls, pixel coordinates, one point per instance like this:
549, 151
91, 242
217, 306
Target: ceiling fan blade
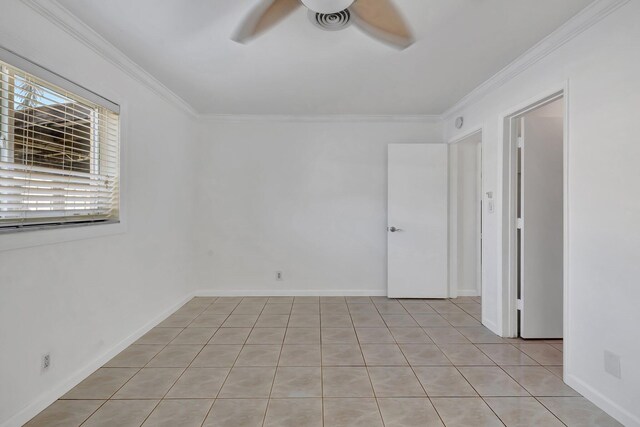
265, 16
381, 19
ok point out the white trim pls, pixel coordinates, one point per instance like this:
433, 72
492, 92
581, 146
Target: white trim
65, 20
321, 118
468, 293
581, 22
288, 292
601, 401
47, 398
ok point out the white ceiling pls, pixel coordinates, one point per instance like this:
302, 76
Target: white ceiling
299, 69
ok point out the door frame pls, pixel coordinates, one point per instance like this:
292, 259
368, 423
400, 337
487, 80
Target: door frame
509, 211
453, 211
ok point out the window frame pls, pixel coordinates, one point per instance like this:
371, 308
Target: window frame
44, 234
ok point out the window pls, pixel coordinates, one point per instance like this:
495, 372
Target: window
59, 150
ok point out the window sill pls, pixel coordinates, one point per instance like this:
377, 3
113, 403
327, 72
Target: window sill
62, 234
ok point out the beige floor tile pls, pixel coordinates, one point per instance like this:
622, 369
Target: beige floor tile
305, 309
346, 382
445, 307
334, 308
399, 320
217, 356
297, 382
431, 321
245, 382
183, 413
266, 336
466, 412
335, 321
206, 320
121, 413
149, 383
280, 300
522, 412
338, 336
194, 336
480, 335
492, 381
333, 300
351, 413
442, 381
237, 413
460, 319
306, 300
375, 336
544, 354
409, 412
418, 308
248, 309
578, 412
240, 321
395, 382
221, 308
358, 300
367, 320
424, 355
65, 413
175, 356
410, 336
135, 356
199, 383
304, 321
539, 382
465, 354
259, 355
446, 335
230, 336
102, 384
277, 308
362, 308
178, 320
300, 355
272, 321
506, 354
383, 355
159, 336
390, 307
556, 370
302, 336
294, 413
341, 355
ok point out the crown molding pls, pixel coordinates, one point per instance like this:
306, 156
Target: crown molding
320, 118
61, 17
581, 22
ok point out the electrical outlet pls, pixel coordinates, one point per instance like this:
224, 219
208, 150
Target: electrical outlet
279, 276
612, 364
46, 361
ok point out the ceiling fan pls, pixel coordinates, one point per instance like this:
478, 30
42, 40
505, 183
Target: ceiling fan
378, 18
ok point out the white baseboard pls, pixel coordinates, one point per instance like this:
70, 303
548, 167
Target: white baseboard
287, 292
47, 398
468, 293
619, 413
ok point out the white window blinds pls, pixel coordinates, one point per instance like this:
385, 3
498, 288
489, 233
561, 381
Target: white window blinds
59, 150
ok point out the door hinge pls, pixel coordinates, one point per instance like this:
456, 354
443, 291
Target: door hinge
520, 223
519, 304
520, 142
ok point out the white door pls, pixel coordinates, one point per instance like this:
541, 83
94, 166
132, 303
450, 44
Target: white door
418, 221
541, 242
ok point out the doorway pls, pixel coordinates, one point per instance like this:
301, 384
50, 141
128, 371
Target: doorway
536, 219
465, 219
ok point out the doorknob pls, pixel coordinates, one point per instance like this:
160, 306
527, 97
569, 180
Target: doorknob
394, 229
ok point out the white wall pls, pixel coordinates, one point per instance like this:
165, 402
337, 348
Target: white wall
307, 198
80, 299
601, 66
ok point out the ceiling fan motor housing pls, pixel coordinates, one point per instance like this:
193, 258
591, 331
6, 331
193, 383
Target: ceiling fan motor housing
327, 6
331, 21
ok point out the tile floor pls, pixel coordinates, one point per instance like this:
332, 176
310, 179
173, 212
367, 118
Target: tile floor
332, 361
